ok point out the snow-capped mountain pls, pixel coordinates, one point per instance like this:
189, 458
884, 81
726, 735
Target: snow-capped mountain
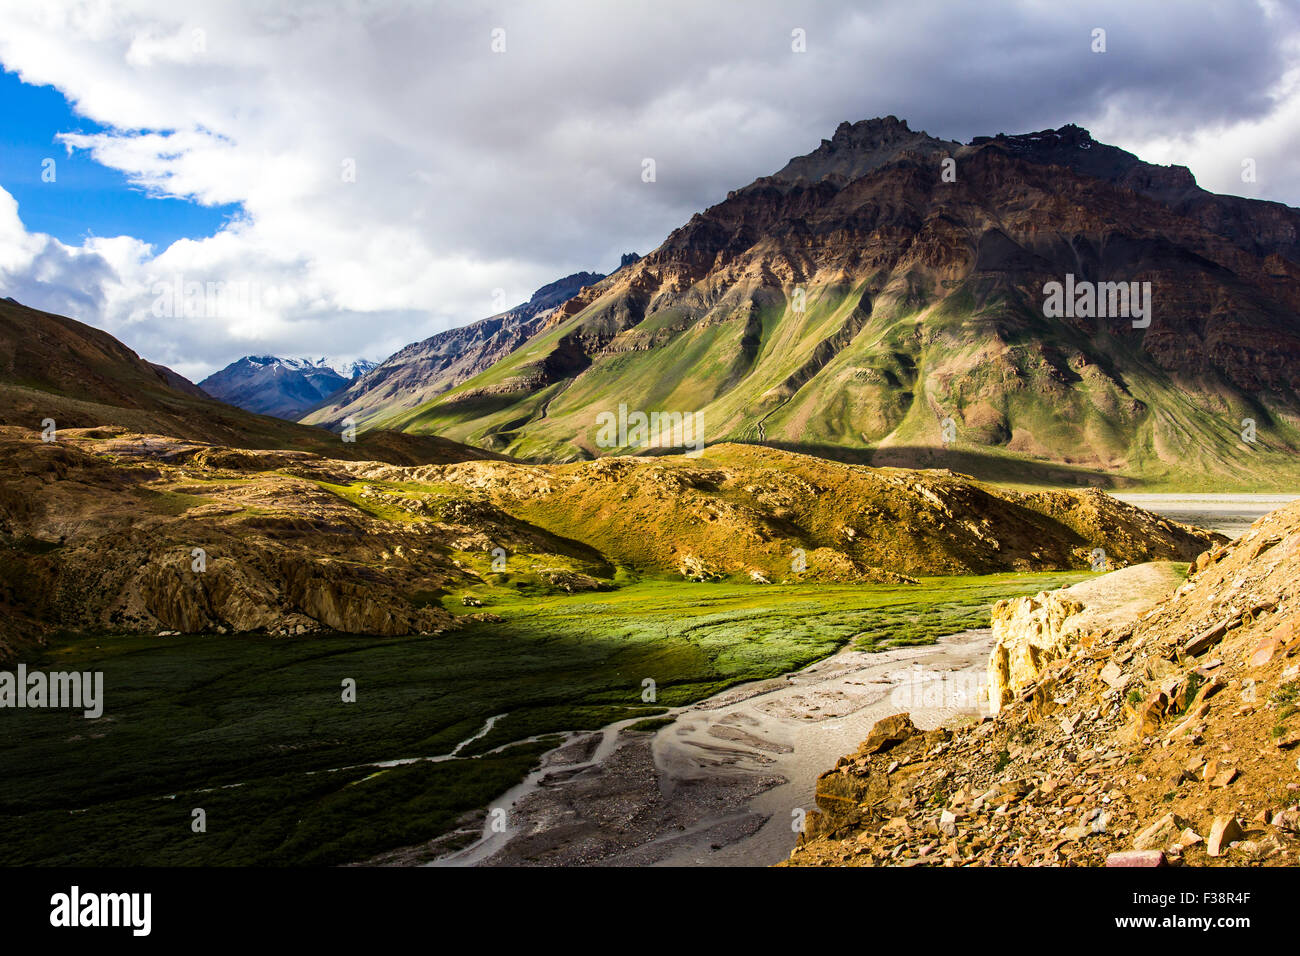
283, 387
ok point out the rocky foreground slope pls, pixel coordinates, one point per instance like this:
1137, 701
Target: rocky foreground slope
104, 529
1170, 737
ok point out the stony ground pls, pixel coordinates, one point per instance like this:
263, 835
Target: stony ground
1169, 740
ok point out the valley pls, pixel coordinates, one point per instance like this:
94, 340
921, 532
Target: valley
253, 729
614, 576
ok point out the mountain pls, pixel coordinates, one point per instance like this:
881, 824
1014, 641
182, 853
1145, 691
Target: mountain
285, 388
886, 299
425, 369
54, 367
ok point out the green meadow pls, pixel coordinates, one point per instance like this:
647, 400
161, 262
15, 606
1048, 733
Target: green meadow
255, 732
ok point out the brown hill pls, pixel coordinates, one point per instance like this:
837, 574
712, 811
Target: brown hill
98, 531
53, 367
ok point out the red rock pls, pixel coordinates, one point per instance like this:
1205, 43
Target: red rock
1205, 640
1226, 831
1264, 651
887, 732
1143, 858
1224, 777
1151, 711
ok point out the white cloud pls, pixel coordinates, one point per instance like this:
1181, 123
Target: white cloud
477, 170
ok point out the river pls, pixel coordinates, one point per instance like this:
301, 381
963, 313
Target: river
1229, 514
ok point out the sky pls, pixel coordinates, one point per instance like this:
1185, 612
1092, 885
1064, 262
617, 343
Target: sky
361, 175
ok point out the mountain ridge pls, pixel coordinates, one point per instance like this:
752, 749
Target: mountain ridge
56, 369
424, 369
283, 387
857, 299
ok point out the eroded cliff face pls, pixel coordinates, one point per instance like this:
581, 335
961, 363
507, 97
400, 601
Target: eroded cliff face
104, 530
1031, 632
1164, 737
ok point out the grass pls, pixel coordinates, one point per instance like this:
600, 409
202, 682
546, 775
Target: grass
1287, 699
950, 605
170, 502
244, 726
1286, 695
832, 381
353, 495
651, 724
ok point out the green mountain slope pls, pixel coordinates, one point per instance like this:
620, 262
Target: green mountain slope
854, 302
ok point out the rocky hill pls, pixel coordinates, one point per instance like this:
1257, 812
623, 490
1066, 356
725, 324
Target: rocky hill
882, 299
98, 531
428, 368
58, 369
1152, 737
284, 388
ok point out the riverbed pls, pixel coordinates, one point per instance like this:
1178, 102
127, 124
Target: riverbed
1229, 514
728, 782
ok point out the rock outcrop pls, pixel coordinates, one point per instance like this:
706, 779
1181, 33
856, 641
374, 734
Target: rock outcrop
1031, 632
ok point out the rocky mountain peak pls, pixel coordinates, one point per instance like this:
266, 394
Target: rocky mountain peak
1074, 147
282, 387
553, 293
859, 148
1069, 135
871, 132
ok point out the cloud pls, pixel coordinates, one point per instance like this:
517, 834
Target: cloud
394, 171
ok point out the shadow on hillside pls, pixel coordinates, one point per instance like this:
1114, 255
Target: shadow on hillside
981, 465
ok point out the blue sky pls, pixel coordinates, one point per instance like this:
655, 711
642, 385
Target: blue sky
86, 198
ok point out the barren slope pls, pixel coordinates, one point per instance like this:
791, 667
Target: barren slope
1167, 739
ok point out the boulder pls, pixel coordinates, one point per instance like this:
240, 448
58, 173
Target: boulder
1205, 640
1142, 858
1161, 833
887, 732
1224, 832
